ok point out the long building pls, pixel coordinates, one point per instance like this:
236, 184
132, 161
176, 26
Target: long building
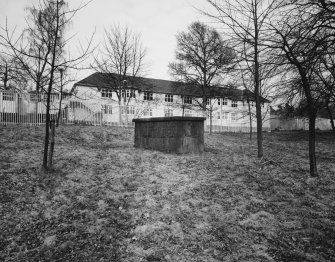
227, 108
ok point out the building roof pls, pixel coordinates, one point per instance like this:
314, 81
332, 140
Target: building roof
142, 84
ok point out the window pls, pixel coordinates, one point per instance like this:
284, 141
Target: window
188, 112
34, 97
168, 112
129, 93
233, 116
148, 96
233, 103
9, 96
217, 115
208, 102
225, 115
107, 109
187, 100
147, 112
53, 97
43, 97
223, 101
106, 93
130, 110
169, 98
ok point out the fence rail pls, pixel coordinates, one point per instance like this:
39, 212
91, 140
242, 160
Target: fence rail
233, 129
298, 123
27, 109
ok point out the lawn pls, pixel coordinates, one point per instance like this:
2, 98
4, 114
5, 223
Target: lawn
108, 201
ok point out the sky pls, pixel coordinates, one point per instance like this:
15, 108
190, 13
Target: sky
157, 21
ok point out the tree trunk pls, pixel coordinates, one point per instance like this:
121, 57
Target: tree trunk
210, 121
259, 130
204, 111
250, 121
312, 117
120, 113
47, 133
52, 71
257, 87
5, 80
52, 143
311, 144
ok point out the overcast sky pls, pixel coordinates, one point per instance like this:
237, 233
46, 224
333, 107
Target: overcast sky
158, 22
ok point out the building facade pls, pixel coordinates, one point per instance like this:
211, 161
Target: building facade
227, 110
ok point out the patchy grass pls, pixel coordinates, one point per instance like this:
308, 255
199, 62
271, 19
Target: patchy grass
108, 201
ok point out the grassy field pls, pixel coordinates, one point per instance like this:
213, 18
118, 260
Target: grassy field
108, 201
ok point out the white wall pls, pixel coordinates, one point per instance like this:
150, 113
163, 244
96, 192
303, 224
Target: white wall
94, 100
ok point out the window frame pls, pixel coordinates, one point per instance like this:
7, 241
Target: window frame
107, 109
8, 96
148, 96
128, 92
106, 93
34, 98
168, 98
147, 112
188, 100
168, 112
223, 101
234, 117
225, 115
130, 110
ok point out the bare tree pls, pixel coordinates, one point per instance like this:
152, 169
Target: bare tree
40, 50
11, 73
202, 56
244, 22
300, 37
121, 62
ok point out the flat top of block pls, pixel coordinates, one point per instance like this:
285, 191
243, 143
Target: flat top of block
169, 118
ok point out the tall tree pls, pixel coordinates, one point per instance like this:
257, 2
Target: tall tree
202, 56
121, 62
40, 50
244, 22
300, 38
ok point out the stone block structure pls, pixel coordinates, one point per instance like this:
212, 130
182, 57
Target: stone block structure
170, 134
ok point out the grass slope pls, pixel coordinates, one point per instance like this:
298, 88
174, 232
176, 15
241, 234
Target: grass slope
108, 201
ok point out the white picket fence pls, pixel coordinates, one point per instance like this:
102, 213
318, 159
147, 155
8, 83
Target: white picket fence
30, 109
24, 108
232, 129
298, 123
